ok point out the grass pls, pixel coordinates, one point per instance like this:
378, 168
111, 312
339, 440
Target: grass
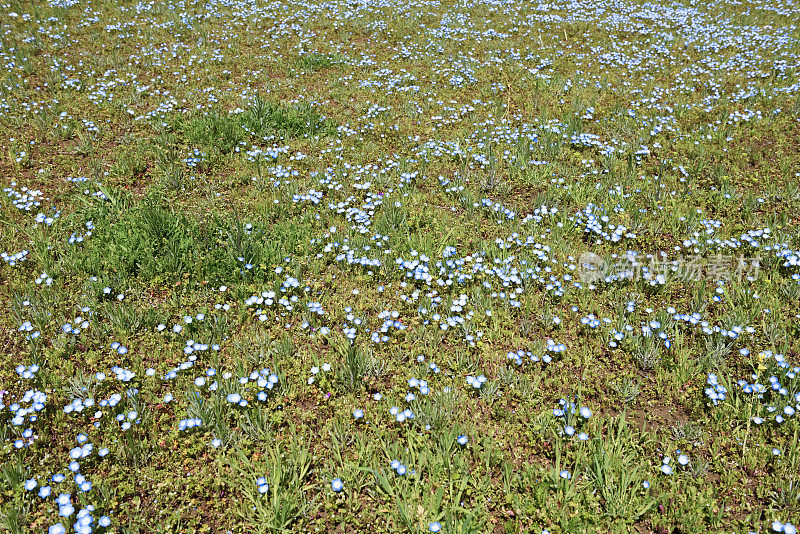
275, 267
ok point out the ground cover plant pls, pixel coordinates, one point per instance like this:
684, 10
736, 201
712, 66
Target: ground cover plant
424, 266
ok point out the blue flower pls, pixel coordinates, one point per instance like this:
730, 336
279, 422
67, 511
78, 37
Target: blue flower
434, 527
462, 440
786, 528
337, 485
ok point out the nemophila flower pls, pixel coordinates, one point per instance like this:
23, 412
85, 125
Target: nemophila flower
683, 459
786, 528
434, 527
358, 413
566, 475
58, 528
401, 469
586, 413
337, 485
66, 510
583, 436
30, 484
646, 484
44, 492
104, 521
462, 440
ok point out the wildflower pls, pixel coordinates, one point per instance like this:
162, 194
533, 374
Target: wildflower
434, 527
786, 528
337, 485
462, 440
566, 475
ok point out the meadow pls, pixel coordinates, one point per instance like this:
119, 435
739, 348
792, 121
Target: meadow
454, 266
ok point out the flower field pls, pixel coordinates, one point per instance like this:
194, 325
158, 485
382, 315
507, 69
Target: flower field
455, 266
